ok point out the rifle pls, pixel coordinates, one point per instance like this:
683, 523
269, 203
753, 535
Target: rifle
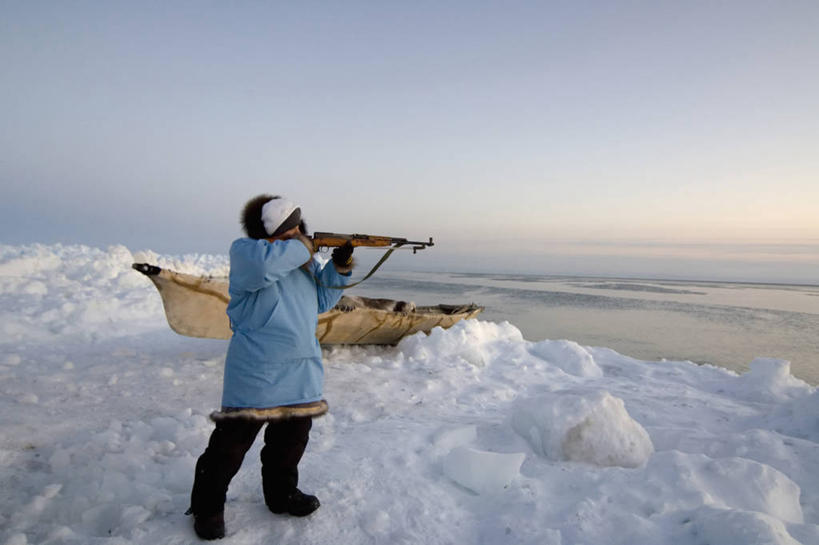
332, 240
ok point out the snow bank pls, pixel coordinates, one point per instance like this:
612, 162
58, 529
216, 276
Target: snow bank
728, 483
798, 417
76, 291
568, 356
68, 291
448, 439
769, 379
593, 427
469, 435
749, 528
472, 341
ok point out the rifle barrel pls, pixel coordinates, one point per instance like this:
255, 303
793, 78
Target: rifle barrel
332, 240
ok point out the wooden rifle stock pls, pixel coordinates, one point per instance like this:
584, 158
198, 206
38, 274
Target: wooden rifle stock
333, 240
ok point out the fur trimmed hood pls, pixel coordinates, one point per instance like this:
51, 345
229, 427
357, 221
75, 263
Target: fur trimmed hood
271, 414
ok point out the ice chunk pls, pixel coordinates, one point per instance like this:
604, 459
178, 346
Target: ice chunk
569, 356
594, 428
481, 471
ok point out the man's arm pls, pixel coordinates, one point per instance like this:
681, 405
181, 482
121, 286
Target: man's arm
256, 264
336, 273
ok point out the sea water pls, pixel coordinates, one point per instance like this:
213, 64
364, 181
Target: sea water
725, 324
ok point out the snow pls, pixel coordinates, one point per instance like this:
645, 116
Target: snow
469, 435
568, 356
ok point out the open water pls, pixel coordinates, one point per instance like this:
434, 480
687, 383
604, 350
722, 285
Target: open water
725, 324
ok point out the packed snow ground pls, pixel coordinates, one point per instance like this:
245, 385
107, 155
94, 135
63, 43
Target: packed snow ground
471, 435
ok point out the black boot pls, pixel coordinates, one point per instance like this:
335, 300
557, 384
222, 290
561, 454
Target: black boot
209, 526
284, 444
297, 504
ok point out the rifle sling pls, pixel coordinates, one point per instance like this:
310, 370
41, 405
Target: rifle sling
381, 261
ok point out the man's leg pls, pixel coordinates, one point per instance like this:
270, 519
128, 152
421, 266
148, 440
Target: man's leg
284, 444
214, 470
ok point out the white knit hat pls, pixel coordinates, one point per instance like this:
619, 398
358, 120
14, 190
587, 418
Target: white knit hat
280, 215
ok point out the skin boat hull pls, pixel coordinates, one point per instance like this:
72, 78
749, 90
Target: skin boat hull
195, 307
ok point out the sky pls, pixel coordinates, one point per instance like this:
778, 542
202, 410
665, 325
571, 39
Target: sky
674, 139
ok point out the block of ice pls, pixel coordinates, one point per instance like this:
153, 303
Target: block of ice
590, 427
481, 471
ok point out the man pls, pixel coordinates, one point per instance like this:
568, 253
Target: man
273, 369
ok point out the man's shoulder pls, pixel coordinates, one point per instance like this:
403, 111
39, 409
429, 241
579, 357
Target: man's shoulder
244, 241
245, 244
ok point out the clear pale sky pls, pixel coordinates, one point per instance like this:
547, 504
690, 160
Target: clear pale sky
625, 138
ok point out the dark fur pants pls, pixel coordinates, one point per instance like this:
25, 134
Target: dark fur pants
284, 444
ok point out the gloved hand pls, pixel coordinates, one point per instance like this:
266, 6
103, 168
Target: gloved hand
343, 256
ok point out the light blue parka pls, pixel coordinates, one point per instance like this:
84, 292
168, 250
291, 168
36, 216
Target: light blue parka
274, 357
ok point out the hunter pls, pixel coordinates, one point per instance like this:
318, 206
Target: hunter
273, 368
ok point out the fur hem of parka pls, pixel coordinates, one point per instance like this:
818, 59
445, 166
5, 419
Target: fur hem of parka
271, 414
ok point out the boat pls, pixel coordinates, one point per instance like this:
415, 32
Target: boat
195, 306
